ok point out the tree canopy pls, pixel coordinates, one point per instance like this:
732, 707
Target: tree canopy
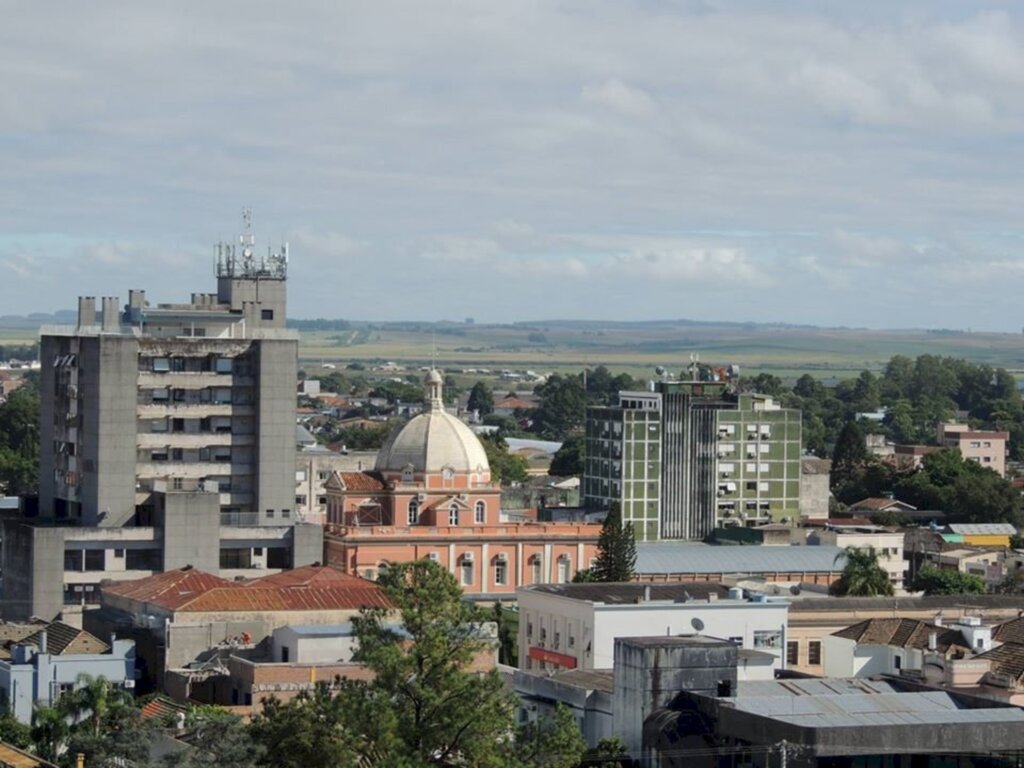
616, 549
19, 441
944, 581
568, 460
862, 575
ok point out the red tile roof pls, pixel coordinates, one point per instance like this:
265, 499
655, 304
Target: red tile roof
880, 504
171, 589
362, 481
304, 589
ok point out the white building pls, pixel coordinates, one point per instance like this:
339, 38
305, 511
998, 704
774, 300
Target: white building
574, 626
888, 545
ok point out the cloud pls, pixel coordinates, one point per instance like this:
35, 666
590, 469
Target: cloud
619, 97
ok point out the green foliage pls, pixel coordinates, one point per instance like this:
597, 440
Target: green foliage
505, 467
764, 384
481, 399
616, 549
19, 441
941, 581
361, 438
14, 732
398, 392
584, 576
562, 407
849, 454
554, 742
424, 706
508, 624
608, 753
568, 460
310, 731
219, 738
862, 575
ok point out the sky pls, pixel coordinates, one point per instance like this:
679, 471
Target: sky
828, 163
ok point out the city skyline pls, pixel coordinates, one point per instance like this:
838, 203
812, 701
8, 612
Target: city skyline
817, 164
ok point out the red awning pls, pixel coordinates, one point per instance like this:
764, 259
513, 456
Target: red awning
542, 654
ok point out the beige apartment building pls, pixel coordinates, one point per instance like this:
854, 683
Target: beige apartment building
984, 447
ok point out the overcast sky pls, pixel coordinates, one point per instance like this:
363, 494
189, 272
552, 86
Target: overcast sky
833, 163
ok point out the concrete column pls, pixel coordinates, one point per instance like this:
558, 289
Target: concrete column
86, 311
111, 320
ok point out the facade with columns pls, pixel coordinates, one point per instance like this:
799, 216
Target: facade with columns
430, 495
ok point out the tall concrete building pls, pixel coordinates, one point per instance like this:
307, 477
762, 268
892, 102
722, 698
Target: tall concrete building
693, 455
167, 438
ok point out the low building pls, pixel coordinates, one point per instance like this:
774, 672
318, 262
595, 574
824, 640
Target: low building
178, 616
574, 626
984, 447
39, 667
983, 563
984, 534
689, 562
887, 544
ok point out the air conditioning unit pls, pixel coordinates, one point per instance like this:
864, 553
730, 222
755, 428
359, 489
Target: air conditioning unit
463, 496
501, 557
467, 556
421, 497
434, 556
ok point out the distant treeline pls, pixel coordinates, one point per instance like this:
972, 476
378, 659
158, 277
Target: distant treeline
320, 324
19, 352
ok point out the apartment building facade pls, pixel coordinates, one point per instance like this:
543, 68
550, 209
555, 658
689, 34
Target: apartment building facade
167, 438
691, 456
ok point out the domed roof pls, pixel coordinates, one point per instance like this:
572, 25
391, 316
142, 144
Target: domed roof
433, 440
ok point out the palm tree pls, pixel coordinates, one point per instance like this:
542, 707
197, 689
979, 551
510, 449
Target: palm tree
862, 575
49, 732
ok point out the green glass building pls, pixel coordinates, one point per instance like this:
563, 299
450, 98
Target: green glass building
691, 456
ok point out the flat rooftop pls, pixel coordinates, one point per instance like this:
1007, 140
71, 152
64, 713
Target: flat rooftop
656, 557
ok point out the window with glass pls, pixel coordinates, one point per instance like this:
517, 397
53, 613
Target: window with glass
535, 570
564, 569
792, 653
453, 514
481, 512
414, 511
500, 572
467, 572
814, 652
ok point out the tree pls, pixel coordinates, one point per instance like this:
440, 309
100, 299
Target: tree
481, 399
862, 575
505, 467
850, 452
15, 732
568, 460
554, 742
941, 581
424, 705
616, 549
562, 407
309, 731
19, 441
219, 738
105, 724
608, 753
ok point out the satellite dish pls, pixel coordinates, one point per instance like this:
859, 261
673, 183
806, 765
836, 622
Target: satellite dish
697, 624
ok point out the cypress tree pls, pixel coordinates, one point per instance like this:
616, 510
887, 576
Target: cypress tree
616, 549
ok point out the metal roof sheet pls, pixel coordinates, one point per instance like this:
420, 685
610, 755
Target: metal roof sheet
982, 529
675, 557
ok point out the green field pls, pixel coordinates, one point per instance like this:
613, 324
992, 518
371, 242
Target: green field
638, 347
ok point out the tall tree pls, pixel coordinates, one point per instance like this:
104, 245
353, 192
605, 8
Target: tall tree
481, 399
554, 742
562, 407
862, 575
616, 549
425, 706
568, 460
849, 454
218, 737
313, 730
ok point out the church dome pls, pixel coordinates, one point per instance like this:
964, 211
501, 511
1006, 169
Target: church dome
433, 441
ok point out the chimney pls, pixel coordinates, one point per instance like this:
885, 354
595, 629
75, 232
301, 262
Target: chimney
42, 642
111, 319
933, 641
86, 311
647, 593
136, 301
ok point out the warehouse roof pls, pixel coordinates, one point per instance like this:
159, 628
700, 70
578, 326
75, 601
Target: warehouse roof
983, 529
674, 557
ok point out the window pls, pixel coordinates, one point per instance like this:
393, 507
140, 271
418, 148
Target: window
236, 558
453, 514
270, 515
535, 570
286, 513
119, 553
224, 365
94, 559
564, 568
500, 571
767, 638
161, 365
897, 662
467, 572
481, 512
72, 559
814, 652
266, 314
414, 511
792, 653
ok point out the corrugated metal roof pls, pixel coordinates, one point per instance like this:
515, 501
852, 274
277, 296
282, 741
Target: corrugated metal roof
673, 557
983, 529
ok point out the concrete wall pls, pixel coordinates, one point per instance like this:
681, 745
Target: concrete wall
539, 695
814, 495
277, 366
191, 526
33, 571
307, 544
306, 649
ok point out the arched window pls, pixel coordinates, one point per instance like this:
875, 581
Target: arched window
535, 570
414, 511
453, 514
481, 512
382, 569
467, 569
500, 570
407, 475
564, 569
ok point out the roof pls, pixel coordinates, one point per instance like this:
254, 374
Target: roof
848, 605
310, 588
673, 557
515, 403
811, 465
983, 529
903, 633
633, 592
878, 504
361, 481
1006, 659
12, 757
431, 442
161, 707
63, 639
1009, 631
858, 702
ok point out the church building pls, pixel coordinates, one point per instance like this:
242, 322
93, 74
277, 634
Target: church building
430, 494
